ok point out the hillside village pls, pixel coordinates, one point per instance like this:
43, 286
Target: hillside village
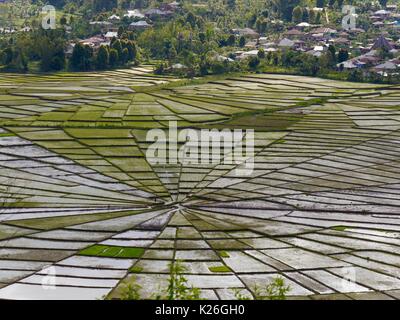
377, 53
370, 47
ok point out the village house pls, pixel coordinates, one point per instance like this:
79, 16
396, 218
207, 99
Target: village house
286, 43
263, 40
179, 67
300, 45
270, 50
268, 46
355, 31
382, 14
303, 25
295, 34
111, 34
221, 58
369, 59
251, 44
157, 14
317, 51
104, 25
114, 18
246, 32
139, 25
134, 14
388, 67
251, 53
382, 43
25, 29
340, 42
373, 60
94, 42
173, 6
323, 33
7, 30
69, 49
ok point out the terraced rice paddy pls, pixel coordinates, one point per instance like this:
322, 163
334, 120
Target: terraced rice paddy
81, 205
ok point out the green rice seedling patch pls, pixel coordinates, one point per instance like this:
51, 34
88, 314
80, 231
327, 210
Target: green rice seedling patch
108, 142
177, 107
339, 228
60, 144
112, 251
87, 116
223, 254
130, 164
6, 134
113, 151
77, 151
55, 135
7, 231
56, 116
92, 133
218, 269
135, 269
66, 221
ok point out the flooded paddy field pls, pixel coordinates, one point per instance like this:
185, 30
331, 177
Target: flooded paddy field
81, 203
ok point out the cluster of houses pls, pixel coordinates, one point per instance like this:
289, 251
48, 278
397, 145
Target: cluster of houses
315, 40
9, 30
303, 37
371, 58
109, 27
141, 20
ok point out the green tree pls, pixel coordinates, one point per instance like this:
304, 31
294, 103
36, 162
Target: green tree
297, 14
332, 51
7, 56
63, 20
114, 58
132, 50
284, 8
81, 58
121, 30
125, 56
356, 75
231, 40
117, 45
306, 15
242, 41
261, 25
21, 63
343, 55
318, 18
57, 63
253, 63
104, 5
178, 288
383, 3
102, 58
202, 37
77, 58
312, 16
52, 57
